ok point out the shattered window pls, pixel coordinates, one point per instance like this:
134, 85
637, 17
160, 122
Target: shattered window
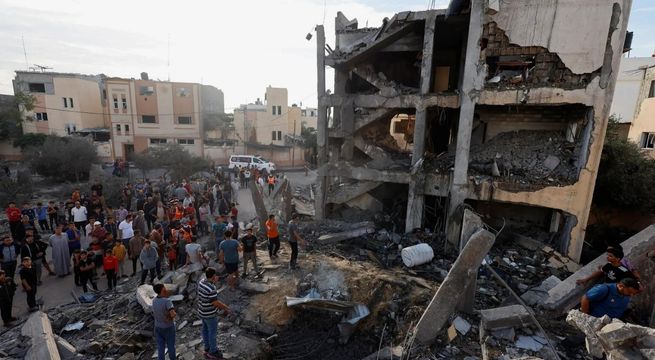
648, 140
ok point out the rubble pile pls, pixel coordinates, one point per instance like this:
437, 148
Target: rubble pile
522, 157
613, 338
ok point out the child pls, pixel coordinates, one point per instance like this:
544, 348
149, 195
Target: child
120, 252
76, 266
110, 265
613, 271
86, 271
29, 282
172, 258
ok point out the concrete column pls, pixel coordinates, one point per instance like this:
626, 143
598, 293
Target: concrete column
321, 123
472, 83
415, 196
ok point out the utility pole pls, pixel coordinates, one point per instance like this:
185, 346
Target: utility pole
293, 145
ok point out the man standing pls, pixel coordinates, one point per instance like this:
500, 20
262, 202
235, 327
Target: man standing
228, 254
164, 314
218, 229
148, 259
208, 304
609, 299
111, 227
32, 250
271, 180
194, 254
157, 238
86, 267
7, 291
249, 242
14, 216
79, 215
29, 282
120, 252
125, 230
30, 213
273, 236
9, 256
134, 250
294, 238
61, 256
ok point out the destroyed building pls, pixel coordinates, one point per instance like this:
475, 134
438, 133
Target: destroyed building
499, 105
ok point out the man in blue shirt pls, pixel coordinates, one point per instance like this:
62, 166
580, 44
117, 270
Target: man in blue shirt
229, 256
164, 314
609, 299
218, 228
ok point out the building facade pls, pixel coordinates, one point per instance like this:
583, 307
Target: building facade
634, 101
510, 102
146, 113
64, 103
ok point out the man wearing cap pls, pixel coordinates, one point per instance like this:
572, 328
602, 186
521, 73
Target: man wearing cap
29, 282
249, 242
7, 291
148, 259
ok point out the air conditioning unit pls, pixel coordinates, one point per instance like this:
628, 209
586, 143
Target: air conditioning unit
150, 89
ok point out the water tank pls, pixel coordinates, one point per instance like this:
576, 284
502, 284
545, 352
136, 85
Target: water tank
144, 76
417, 255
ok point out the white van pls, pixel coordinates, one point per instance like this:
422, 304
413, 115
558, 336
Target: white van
250, 161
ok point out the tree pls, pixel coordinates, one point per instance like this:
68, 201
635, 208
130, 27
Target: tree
11, 116
63, 158
625, 175
31, 139
176, 162
144, 161
220, 121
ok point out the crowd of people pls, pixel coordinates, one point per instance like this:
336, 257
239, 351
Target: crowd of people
155, 228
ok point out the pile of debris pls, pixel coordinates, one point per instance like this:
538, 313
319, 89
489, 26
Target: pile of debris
522, 157
613, 338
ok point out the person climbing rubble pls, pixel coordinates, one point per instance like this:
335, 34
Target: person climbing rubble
249, 246
609, 299
613, 272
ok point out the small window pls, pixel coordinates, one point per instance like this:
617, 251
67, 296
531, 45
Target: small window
148, 119
41, 116
313, 113
182, 92
37, 87
279, 110
65, 102
118, 129
648, 140
279, 135
71, 128
186, 141
273, 135
115, 102
70, 101
127, 129
274, 108
184, 120
124, 101
651, 93
303, 112
157, 141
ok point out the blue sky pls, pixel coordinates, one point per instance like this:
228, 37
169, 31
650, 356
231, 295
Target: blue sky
238, 46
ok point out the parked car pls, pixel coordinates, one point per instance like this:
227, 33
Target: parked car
251, 161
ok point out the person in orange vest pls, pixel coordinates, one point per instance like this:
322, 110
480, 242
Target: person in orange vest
273, 236
271, 183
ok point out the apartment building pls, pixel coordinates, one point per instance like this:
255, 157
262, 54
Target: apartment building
145, 113
508, 103
308, 117
634, 101
64, 103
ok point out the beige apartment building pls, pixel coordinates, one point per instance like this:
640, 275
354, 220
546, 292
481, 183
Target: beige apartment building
64, 103
634, 101
145, 113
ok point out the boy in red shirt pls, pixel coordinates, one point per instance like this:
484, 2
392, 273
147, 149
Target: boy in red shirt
110, 265
14, 216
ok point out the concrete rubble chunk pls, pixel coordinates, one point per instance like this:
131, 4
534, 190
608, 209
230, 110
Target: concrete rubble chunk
253, 286
358, 230
589, 325
43, 344
144, 296
536, 295
551, 162
504, 333
448, 295
66, 349
533, 343
461, 325
504, 317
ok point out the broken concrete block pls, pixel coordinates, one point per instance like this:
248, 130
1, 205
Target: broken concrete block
624, 354
533, 343
504, 333
43, 344
66, 349
144, 296
93, 347
447, 297
526, 242
503, 317
616, 334
551, 162
182, 325
536, 295
253, 286
452, 333
363, 229
127, 356
461, 325
589, 325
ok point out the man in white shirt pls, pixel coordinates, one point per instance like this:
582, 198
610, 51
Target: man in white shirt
125, 231
194, 252
79, 214
188, 200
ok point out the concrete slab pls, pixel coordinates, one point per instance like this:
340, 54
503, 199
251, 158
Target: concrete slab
38, 329
504, 317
